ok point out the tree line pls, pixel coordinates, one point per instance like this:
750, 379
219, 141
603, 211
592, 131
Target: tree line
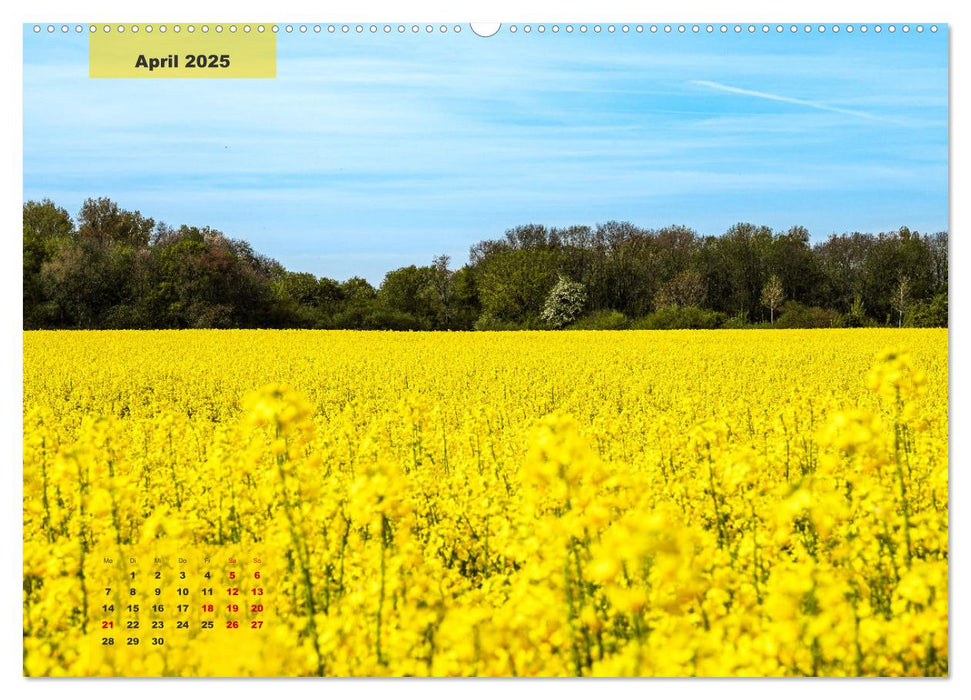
113, 268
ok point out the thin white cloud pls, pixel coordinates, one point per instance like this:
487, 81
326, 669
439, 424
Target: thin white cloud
790, 100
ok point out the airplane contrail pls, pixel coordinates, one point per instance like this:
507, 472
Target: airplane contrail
782, 98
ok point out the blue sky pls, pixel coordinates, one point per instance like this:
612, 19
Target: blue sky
370, 152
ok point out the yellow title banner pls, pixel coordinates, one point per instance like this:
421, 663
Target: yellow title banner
182, 51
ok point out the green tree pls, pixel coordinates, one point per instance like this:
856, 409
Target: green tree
466, 304
407, 290
357, 303
684, 289
930, 313
857, 317
46, 228
736, 266
791, 260
513, 283
842, 261
440, 282
103, 221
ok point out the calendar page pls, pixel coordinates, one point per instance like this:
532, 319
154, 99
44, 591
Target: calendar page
496, 350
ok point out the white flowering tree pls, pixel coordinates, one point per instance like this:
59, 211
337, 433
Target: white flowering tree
564, 304
772, 296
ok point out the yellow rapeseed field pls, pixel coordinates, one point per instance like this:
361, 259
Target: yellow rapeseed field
535, 504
